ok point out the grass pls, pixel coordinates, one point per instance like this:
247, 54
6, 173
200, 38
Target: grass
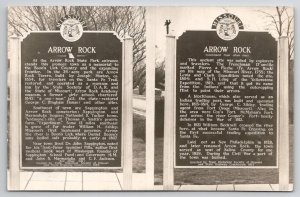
139, 126
139, 155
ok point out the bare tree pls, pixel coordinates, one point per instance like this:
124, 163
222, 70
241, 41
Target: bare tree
282, 22
160, 74
123, 20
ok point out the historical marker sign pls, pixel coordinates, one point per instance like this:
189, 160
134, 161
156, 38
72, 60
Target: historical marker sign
71, 98
226, 98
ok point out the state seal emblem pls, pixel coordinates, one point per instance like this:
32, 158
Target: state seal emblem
227, 26
71, 28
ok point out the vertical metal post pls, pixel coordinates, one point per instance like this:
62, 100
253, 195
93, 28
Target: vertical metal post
14, 113
150, 97
169, 119
128, 112
283, 120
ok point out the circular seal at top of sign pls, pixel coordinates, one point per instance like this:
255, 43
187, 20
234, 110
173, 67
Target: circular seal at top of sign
71, 28
227, 26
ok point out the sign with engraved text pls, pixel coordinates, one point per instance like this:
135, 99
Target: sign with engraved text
71, 98
226, 97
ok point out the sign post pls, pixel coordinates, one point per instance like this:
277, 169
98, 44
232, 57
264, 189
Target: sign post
283, 117
150, 98
128, 113
14, 113
169, 116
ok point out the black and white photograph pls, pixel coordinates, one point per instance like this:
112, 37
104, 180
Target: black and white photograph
82, 83
161, 98
219, 75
